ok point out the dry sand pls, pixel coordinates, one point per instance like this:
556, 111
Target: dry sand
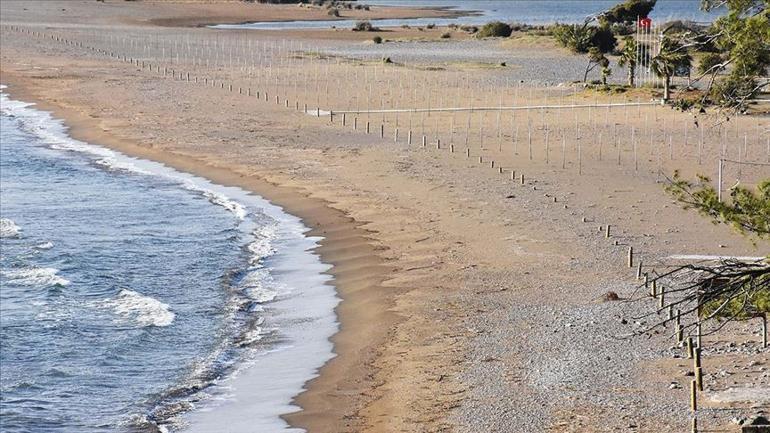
469, 301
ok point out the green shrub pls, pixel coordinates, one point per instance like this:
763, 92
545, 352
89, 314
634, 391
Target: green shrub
708, 61
733, 91
604, 39
581, 38
628, 12
495, 29
446, 35
364, 26
574, 37
377, 40
430, 26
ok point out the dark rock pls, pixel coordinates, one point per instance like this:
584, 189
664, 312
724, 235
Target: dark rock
609, 296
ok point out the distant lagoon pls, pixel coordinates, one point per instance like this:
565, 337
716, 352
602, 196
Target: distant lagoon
483, 11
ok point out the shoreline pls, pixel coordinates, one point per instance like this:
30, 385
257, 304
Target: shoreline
476, 259
296, 266
377, 13
337, 231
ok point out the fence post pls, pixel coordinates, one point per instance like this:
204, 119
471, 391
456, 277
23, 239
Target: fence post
693, 396
719, 179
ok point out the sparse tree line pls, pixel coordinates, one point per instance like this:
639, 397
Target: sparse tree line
733, 52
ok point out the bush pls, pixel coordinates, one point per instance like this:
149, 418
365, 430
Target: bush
377, 40
733, 91
519, 27
580, 38
430, 26
680, 26
708, 61
604, 39
469, 29
495, 29
623, 29
628, 11
576, 38
334, 12
446, 35
364, 26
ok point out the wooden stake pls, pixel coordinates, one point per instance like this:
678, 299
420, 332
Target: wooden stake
662, 297
699, 378
693, 396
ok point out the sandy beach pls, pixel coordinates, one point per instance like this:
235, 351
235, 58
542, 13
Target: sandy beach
470, 302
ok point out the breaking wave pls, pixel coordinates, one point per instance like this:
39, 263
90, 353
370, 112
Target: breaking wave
34, 276
8, 228
144, 310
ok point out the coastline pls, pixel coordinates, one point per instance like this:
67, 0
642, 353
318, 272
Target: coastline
458, 263
275, 14
340, 235
295, 291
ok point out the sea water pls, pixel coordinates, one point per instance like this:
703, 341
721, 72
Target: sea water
137, 298
536, 12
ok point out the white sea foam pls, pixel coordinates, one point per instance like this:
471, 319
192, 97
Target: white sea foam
252, 336
112, 163
144, 310
44, 246
8, 228
34, 276
218, 199
262, 245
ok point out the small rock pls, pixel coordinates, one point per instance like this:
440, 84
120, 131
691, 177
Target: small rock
610, 296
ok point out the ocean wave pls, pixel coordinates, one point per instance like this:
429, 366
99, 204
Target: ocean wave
250, 337
254, 284
111, 163
8, 228
144, 310
34, 276
44, 246
262, 245
232, 206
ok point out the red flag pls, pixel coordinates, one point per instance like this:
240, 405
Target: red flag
645, 23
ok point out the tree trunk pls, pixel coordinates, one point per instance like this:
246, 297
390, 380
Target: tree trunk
631, 76
666, 87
